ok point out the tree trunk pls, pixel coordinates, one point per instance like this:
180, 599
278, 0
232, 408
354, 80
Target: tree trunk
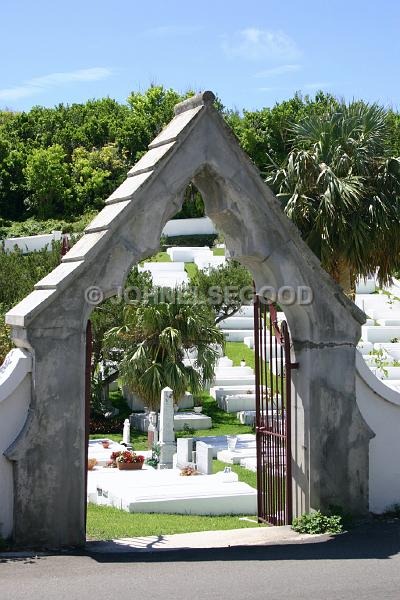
344, 276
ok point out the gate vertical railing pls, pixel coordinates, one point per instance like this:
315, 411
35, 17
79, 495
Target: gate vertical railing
88, 394
273, 368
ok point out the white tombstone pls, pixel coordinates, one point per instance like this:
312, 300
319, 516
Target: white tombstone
152, 432
167, 434
126, 435
204, 458
184, 452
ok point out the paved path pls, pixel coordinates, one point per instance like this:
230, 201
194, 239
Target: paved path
361, 565
257, 536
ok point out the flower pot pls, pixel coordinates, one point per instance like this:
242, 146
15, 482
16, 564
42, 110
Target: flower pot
198, 409
232, 441
92, 462
129, 466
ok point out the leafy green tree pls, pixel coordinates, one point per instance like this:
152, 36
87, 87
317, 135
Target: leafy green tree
110, 313
5, 337
18, 275
48, 182
96, 174
266, 135
154, 338
19, 272
342, 190
193, 205
12, 179
226, 288
149, 113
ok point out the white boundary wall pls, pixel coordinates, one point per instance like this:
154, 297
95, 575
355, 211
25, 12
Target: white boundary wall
175, 227
380, 407
15, 395
32, 242
200, 226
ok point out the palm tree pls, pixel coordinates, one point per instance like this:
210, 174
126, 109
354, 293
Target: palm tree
341, 187
154, 338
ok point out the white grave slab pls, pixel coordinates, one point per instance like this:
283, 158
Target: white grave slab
187, 254
217, 391
379, 333
243, 380
238, 323
204, 262
167, 492
192, 420
244, 441
162, 266
231, 404
235, 335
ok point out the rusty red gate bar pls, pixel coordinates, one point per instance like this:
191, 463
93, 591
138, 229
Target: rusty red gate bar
273, 368
88, 394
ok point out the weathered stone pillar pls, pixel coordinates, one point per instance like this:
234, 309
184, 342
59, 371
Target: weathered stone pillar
167, 433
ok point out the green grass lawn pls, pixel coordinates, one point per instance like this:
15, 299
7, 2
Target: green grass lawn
106, 523
223, 423
159, 257
191, 269
237, 350
219, 251
138, 439
118, 401
244, 475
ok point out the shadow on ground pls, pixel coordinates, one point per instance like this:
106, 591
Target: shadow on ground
377, 540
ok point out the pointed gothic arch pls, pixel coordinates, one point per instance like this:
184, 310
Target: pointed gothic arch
330, 439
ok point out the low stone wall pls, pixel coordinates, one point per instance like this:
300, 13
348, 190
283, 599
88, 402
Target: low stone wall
32, 243
15, 395
380, 407
200, 226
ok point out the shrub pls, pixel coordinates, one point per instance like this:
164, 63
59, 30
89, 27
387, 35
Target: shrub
316, 522
189, 240
104, 426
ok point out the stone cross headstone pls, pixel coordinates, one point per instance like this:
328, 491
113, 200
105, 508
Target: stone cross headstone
184, 451
167, 434
204, 458
126, 434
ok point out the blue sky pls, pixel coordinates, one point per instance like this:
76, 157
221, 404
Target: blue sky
252, 53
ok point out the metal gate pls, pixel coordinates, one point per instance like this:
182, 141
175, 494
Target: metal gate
273, 415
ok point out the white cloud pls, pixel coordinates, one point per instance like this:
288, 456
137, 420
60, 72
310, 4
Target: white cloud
281, 70
40, 84
261, 44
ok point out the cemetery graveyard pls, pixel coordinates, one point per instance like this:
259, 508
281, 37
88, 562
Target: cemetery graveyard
163, 487
184, 441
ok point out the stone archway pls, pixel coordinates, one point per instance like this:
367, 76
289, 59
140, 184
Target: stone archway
330, 438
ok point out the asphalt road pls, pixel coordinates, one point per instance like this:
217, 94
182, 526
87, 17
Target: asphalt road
363, 564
